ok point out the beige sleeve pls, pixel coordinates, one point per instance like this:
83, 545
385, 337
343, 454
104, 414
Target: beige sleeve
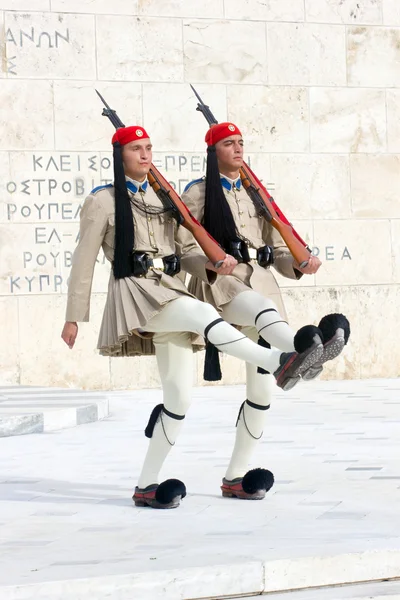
193, 259
282, 256
93, 226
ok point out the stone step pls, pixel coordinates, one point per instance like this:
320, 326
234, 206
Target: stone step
226, 582
25, 410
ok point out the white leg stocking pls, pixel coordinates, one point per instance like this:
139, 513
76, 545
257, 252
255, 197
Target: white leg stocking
188, 314
175, 363
252, 309
250, 425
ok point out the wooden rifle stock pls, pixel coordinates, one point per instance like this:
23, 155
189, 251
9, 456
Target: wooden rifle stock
256, 190
210, 247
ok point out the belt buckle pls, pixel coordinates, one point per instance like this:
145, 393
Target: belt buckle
253, 253
158, 263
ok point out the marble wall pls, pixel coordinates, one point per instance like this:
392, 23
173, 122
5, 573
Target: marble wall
314, 86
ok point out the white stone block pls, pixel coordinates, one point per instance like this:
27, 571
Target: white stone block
22, 100
395, 236
43, 187
139, 49
4, 66
375, 185
48, 45
180, 168
379, 336
42, 345
25, 5
4, 180
347, 120
366, 242
326, 570
306, 54
276, 119
308, 306
306, 231
123, 7
9, 349
391, 12
79, 124
62, 418
373, 56
176, 125
36, 259
258, 10
212, 9
134, 372
312, 186
344, 11
211, 55
393, 119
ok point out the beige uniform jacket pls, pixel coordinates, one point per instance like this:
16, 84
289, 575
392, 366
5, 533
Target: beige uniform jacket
155, 235
258, 232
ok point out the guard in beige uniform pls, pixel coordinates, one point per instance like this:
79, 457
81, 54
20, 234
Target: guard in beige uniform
147, 305
250, 297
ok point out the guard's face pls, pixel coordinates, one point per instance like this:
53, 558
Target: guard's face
230, 153
137, 157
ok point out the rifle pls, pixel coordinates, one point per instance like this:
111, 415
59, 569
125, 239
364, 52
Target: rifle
171, 200
264, 202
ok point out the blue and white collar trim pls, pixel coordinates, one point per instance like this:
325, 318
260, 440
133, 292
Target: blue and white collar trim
134, 186
228, 184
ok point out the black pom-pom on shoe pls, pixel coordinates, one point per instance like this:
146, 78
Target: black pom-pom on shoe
166, 495
306, 337
257, 479
331, 323
170, 491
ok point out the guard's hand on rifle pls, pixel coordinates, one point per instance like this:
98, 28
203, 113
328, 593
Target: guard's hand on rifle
312, 266
226, 268
69, 333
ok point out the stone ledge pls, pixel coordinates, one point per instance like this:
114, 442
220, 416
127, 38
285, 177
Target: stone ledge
25, 410
221, 581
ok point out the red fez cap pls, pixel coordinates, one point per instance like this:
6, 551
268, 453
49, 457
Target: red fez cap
216, 133
124, 135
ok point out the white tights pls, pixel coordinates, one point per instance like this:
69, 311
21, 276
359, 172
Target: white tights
175, 363
247, 306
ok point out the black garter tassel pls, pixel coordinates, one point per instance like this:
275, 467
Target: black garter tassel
212, 366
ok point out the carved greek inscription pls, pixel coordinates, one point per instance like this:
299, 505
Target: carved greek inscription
33, 38
48, 198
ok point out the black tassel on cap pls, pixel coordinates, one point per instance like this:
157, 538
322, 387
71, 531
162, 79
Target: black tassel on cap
124, 228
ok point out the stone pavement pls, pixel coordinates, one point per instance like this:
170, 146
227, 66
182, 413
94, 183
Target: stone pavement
68, 527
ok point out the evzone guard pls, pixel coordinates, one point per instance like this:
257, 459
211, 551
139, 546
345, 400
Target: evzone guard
239, 213
139, 221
